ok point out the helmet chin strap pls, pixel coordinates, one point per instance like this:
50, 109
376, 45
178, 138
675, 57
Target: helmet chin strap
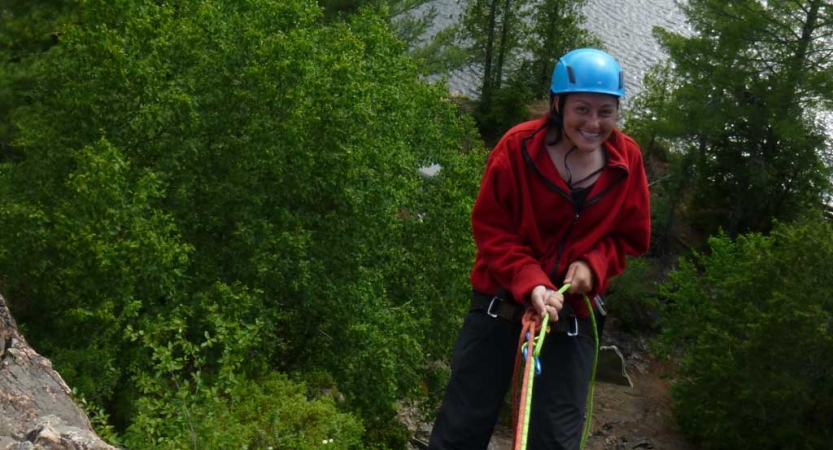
570, 183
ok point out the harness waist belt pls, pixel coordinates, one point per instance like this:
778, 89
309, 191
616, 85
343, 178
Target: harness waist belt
513, 311
506, 309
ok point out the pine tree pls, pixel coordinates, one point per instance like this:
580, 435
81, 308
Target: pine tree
556, 29
492, 30
741, 101
516, 43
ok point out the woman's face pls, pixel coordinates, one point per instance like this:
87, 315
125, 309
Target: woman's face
589, 119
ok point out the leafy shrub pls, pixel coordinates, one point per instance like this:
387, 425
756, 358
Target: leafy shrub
236, 185
632, 297
249, 414
508, 107
752, 321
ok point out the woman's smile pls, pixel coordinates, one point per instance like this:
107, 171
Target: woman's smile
589, 119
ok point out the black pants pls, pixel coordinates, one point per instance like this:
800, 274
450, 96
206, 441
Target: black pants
481, 372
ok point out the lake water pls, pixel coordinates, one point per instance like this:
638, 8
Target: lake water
623, 26
625, 29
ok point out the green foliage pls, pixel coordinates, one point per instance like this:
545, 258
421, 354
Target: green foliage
441, 54
217, 190
27, 29
516, 43
273, 412
99, 419
752, 323
670, 172
410, 21
557, 26
492, 31
738, 99
632, 297
394, 8
32, 27
647, 112
509, 107
87, 258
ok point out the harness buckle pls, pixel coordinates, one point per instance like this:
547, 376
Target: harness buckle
575, 324
600, 305
491, 304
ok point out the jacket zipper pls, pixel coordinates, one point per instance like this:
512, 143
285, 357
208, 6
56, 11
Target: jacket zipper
563, 244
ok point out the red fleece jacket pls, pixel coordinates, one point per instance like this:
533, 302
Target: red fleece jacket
524, 221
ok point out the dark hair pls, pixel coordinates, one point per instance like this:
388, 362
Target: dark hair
555, 121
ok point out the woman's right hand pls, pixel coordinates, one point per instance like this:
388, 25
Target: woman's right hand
545, 301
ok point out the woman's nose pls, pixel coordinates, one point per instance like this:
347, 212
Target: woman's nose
594, 120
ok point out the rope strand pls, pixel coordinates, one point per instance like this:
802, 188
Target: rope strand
522, 402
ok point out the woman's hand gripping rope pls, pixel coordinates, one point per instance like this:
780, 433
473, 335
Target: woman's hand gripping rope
534, 334
531, 342
546, 301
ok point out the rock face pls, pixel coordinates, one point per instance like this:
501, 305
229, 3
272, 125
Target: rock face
36, 411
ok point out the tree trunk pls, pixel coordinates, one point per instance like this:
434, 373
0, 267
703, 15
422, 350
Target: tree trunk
549, 43
503, 46
36, 410
796, 67
486, 92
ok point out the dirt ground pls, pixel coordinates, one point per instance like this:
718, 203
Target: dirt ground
638, 417
624, 418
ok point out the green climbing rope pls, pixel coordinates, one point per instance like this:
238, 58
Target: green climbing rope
530, 373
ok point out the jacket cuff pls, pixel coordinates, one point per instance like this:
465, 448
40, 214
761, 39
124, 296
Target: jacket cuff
526, 280
598, 266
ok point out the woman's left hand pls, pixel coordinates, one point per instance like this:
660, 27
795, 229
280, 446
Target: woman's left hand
580, 278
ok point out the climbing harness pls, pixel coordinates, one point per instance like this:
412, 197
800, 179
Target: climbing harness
531, 341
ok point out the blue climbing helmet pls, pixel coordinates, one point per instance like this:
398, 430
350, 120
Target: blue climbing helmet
588, 70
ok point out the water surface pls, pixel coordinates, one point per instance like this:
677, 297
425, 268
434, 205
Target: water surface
623, 26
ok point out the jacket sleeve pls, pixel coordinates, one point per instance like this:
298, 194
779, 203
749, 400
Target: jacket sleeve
510, 260
633, 230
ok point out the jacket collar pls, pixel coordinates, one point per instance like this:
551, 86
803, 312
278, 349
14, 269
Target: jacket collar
535, 155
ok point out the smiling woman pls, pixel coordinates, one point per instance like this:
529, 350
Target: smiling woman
564, 199
588, 121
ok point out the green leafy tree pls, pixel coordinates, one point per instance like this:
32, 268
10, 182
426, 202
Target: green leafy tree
556, 28
751, 323
441, 54
400, 12
740, 99
492, 30
517, 43
670, 172
215, 191
410, 20
394, 7
26, 30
